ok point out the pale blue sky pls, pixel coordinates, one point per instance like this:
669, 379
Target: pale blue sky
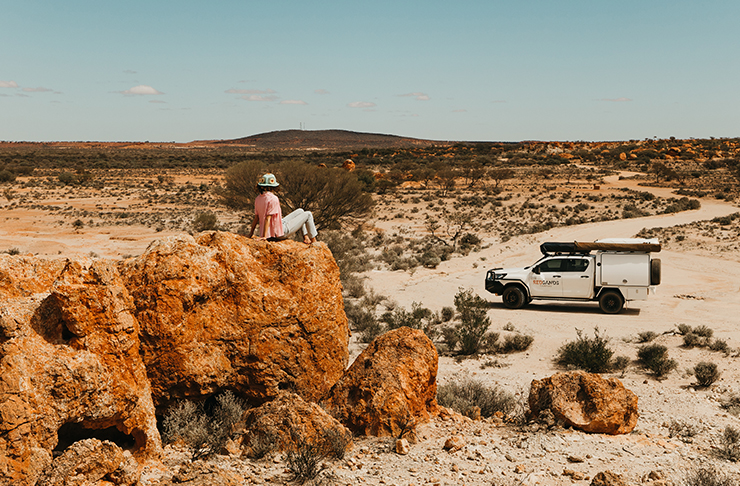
465, 70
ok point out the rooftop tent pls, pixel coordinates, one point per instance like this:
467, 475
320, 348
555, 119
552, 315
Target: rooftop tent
608, 244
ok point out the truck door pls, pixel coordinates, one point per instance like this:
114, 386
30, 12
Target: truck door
578, 281
546, 277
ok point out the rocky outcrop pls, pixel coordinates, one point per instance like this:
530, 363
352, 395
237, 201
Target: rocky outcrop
289, 419
586, 402
390, 387
88, 461
87, 348
69, 364
223, 311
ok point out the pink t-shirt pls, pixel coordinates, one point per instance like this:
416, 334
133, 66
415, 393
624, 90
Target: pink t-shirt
266, 204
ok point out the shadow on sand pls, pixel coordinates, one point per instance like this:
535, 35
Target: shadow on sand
564, 308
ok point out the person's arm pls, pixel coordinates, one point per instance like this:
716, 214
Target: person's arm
254, 225
266, 230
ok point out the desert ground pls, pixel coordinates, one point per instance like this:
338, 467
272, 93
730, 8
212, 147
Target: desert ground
700, 286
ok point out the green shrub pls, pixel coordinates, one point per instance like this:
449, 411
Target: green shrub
515, 343
646, 336
719, 345
447, 314
654, 357
205, 221
620, 363
707, 476
706, 373
683, 329
304, 459
463, 394
703, 331
206, 434
729, 447
589, 354
474, 322
691, 340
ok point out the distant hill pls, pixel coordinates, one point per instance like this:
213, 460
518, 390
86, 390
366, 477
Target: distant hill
325, 139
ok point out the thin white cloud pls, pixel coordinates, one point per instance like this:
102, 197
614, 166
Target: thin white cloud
250, 91
37, 90
617, 100
141, 89
257, 97
321, 91
361, 104
418, 96
8, 84
293, 102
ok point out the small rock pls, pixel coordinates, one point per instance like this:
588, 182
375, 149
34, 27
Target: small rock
520, 469
608, 478
575, 459
454, 443
402, 447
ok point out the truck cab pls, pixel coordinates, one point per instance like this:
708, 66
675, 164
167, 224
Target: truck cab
616, 271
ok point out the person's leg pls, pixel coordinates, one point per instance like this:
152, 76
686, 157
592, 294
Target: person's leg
303, 220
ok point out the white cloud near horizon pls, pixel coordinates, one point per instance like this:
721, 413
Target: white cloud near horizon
8, 84
250, 91
141, 89
361, 104
293, 102
618, 100
258, 97
36, 90
418, 96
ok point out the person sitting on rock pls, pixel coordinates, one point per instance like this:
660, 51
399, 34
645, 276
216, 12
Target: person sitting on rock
269, 216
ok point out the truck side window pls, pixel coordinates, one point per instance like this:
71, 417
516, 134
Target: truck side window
577, 264
555, 265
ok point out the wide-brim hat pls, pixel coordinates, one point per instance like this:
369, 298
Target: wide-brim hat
268, 180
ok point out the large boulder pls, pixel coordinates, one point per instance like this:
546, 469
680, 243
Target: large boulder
223, 311
70, 369
85, 463
390, 387
288, 420
586, 402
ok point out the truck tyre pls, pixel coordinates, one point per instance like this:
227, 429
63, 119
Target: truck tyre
514, 297
655, 271
611, 302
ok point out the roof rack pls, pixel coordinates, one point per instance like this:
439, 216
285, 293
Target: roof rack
612, 244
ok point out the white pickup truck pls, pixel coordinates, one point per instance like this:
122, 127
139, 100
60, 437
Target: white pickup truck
618, 270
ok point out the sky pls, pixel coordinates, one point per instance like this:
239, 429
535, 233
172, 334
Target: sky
464, 70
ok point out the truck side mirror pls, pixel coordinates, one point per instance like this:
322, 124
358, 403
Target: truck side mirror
536, 270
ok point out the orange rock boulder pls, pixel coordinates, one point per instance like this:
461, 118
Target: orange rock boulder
390, 387
70, 369
586, 402
224, 311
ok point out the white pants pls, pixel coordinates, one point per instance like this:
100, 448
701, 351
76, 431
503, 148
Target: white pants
299, 220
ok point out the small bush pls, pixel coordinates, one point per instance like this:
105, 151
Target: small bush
703, 331
729, 444
719, 345
683, 430
646, 336
205, 221
462, 395
683, 329
731, 404
447, 314
304, 459
336, 442
515, 343
692, 340
707, 477
262, 445
473, 323
706, 374
654, 357
205, 434
620, 363
589, 354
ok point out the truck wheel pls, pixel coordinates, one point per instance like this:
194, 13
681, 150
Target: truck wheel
611, 302
514, 298
655, 271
